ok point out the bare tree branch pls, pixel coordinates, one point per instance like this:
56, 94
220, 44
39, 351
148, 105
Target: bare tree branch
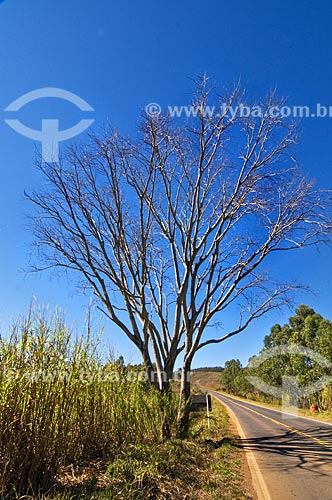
177, 227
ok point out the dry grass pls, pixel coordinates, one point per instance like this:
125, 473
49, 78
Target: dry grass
206, 379
206, 466
61, 404
70, 429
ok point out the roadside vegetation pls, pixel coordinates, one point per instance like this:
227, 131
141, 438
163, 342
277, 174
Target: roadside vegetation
75, 425
301, 348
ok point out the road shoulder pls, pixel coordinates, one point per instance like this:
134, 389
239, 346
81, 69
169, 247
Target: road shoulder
254, 481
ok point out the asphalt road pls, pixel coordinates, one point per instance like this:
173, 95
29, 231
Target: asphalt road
293, 455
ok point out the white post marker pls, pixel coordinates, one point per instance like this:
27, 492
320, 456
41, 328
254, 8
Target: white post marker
207, 410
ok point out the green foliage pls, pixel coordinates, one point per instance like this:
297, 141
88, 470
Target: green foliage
305, 329
231, 371
233, 378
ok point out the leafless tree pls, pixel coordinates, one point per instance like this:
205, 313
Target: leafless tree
175, 228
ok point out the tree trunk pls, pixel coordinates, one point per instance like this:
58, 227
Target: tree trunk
184, 405
150, 372
161, 380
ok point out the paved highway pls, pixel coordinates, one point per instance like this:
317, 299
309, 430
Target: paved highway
290, 458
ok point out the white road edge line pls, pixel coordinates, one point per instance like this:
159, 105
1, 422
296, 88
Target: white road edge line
257, 478
273, 409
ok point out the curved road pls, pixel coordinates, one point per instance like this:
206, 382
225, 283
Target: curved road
293, 454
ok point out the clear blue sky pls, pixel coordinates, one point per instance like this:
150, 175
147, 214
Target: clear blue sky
120, 56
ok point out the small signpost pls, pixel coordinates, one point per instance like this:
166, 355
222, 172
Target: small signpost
202, 402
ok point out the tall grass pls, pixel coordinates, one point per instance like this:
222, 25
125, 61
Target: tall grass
61, 403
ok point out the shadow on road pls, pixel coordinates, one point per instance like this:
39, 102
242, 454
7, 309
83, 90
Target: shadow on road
301, 452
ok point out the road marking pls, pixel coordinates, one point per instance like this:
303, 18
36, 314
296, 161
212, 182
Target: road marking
257, 478
319, 441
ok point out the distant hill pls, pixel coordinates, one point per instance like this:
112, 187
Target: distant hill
208, 369
208, 378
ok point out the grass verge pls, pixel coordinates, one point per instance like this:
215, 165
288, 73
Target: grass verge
77, 425
207, 466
